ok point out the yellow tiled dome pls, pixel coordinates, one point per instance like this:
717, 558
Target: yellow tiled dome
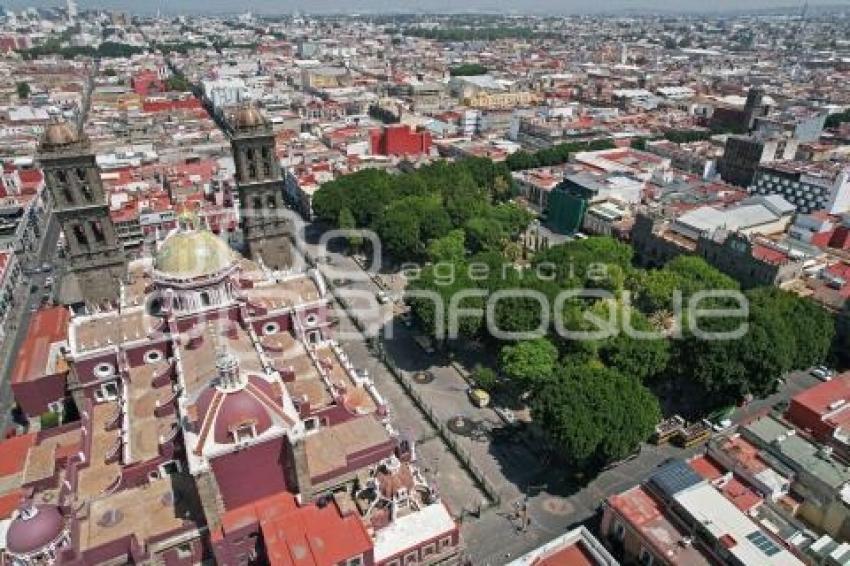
193, 253
59, 134
248, 116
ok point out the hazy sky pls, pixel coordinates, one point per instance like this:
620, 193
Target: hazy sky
384, 6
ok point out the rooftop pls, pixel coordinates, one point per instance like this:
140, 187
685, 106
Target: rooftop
645, 514
38, 356
732, 528
578, 547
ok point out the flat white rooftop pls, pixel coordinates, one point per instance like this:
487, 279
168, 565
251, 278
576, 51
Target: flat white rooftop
733, 529
428, 523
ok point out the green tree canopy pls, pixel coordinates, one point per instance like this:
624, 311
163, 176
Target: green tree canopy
594, 415
23, 90
531, 363
448, 248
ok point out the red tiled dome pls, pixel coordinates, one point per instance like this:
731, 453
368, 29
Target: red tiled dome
34, 529
239, 408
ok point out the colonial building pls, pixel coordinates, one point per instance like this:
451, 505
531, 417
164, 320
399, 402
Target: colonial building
731, 239
260, 184
95, 256
218, 420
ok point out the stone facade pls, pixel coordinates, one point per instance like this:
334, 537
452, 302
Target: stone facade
260, 186
730, 252
96, 260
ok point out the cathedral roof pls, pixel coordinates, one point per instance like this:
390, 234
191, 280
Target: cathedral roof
248, 116
36, 527
194, 253
59, 134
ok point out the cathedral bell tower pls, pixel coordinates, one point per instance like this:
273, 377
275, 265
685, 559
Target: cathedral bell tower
260, 185
95, 256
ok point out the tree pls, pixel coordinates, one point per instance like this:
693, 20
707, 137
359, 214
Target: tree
595, 262
485, 378
483, 234
685, 274
530, 363
810, 328
638, 143
178, 83
468, 69
23, 90
447, 280
644, 359
784, 332
448, 248
834, 120
399, 231
594, 415
346, 222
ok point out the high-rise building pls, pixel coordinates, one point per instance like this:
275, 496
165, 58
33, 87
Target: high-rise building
261, 184
744, 154
95, 256
72, 10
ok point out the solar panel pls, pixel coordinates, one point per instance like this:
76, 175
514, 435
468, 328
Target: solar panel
763, 543
673, 477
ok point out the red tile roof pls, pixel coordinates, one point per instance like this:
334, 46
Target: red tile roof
573, 555
13, 453
312, 536
10, 502
769, 255
821, 396
46, 327
301, 536
706, 467
740, 495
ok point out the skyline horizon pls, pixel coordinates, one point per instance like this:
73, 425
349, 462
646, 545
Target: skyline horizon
533, 8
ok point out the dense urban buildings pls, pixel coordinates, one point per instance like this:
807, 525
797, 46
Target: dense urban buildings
321, 290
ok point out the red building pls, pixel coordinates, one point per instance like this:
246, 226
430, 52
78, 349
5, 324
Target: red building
39, 375
399, 139
824, 410
147, 82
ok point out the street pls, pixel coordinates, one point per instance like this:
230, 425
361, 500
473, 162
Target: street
554, 503
20, 320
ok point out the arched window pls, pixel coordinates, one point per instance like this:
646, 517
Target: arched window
80, 235
97, 229
205, 299
267, 162
252, 163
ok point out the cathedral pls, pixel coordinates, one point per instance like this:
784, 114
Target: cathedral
218, 417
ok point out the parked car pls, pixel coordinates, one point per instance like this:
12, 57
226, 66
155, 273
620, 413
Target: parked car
821, 373
721, 419
479, 397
